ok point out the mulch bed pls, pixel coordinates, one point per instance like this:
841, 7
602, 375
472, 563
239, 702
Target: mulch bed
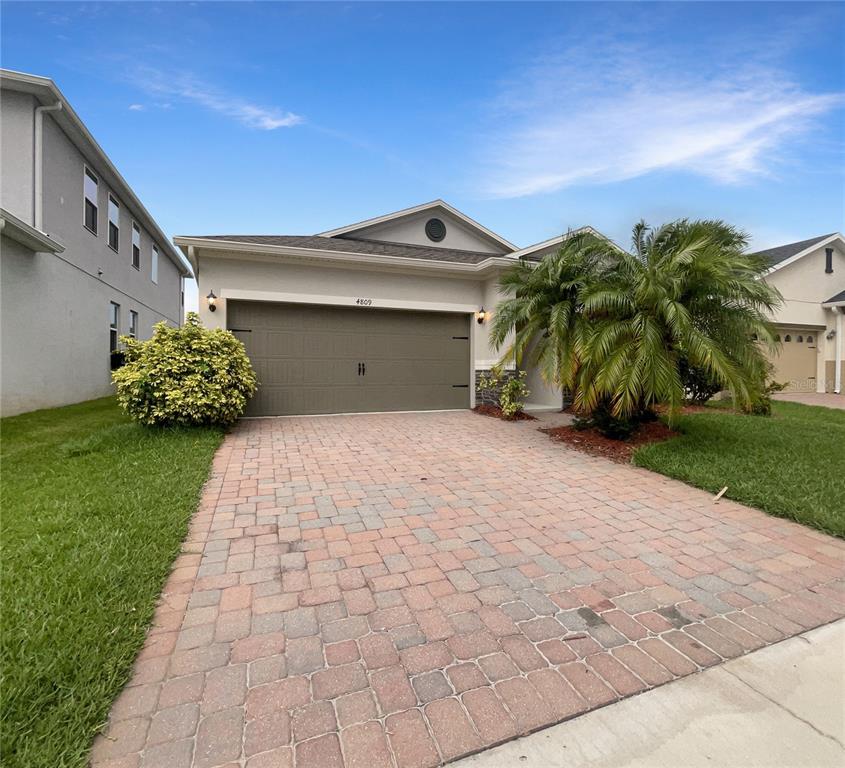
495, 411
592, 442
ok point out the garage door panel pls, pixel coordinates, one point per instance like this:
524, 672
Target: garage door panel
795, 363
307, 356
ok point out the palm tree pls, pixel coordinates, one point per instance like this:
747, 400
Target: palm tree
613, 325
543, 317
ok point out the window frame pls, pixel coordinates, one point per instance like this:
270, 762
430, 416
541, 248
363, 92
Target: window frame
113, 199
133, 324
828, 261
95, 204
154, 264
114, 326
135, 255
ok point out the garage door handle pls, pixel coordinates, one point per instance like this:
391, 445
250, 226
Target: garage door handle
363, 369
359, 369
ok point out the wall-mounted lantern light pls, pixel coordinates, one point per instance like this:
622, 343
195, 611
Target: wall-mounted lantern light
212, 301
480, 315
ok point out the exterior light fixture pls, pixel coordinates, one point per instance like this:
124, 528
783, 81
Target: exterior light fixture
212, 301
480, 315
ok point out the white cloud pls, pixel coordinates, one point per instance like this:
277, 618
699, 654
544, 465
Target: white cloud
600, 111
136, 107
188, 88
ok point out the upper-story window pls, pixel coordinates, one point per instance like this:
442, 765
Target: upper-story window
154, 266
828, 260
136, 246
133, 324
91, 184
114, 223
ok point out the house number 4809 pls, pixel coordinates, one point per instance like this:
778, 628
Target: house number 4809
364, 302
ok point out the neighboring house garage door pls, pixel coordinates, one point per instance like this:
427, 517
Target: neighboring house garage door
321, 359
795, 366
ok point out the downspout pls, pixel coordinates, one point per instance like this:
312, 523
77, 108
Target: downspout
839, 341
38, 173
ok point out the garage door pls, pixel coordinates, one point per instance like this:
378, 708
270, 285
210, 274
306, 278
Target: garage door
795, 366
319, 359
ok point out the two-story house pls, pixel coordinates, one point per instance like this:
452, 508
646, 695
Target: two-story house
81, 259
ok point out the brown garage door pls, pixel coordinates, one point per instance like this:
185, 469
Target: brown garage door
320, 359
795, 365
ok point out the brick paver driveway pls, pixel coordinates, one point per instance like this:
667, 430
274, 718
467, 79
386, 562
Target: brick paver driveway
828, 400
400, 590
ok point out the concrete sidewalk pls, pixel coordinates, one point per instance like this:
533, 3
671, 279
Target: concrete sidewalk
780, 706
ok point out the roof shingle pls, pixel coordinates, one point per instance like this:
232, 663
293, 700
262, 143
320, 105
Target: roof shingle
783, 252
360, 245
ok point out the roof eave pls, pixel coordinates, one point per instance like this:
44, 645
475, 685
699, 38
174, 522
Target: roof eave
47, 92
192, 245
801, 254
25, 234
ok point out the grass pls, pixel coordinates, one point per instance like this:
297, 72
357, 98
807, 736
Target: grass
791, 464
94, 511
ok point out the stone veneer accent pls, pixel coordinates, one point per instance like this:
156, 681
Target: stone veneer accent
489, 396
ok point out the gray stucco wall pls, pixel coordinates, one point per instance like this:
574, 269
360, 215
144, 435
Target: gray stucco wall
54, 315
54, 347
18, 110
63, 219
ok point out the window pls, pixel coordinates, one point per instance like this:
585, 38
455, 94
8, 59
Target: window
90, 187
136, 246
182, 292
753, 337
828, 260
114, 326
114, 223
787, 337
800, 339
777, 337
809, 339
133, 324
154, 265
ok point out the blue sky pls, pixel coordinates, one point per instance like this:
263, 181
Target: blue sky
283, 118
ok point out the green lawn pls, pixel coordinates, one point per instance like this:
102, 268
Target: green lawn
94, 509
791, 464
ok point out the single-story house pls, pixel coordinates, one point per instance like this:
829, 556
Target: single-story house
810, 276
388, 314
393, 313
82, 261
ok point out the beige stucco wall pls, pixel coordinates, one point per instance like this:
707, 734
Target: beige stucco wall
804, 285
271, 279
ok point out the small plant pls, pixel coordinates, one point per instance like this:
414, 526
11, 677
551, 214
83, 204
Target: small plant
184, 376
605, 423
699, 385
761, 404
510, 389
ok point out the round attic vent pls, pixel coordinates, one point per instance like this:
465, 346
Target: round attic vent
435, 230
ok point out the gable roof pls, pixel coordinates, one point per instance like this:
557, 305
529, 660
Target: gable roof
47, 92
434, 204
356, 245
782, 255
531, 252
837, 300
